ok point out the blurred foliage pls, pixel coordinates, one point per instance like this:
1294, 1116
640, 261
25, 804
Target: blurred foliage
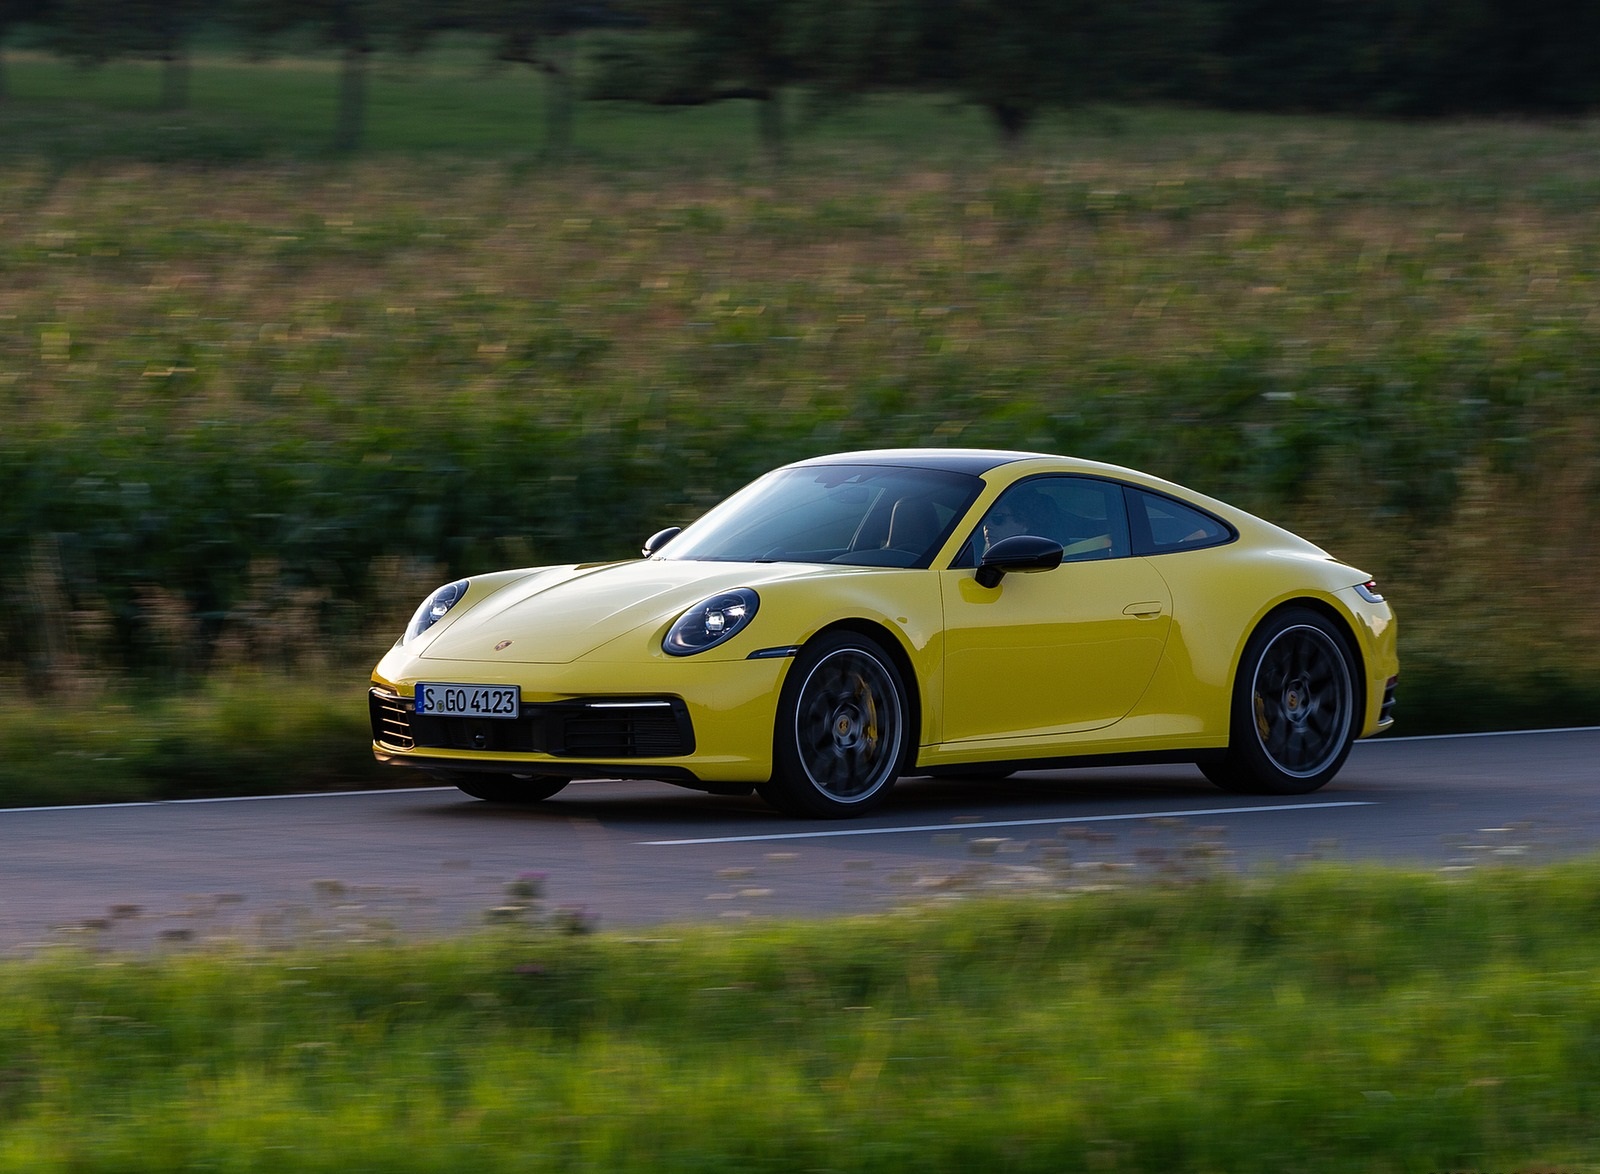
252, 414
1326, 1020
92, 32
1404, 56
1014, 59
235, 734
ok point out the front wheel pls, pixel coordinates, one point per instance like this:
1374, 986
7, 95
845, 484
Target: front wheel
1294, 708
842, 732
498, 788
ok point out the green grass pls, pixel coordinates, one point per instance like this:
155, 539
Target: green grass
229, 736
1325, 1020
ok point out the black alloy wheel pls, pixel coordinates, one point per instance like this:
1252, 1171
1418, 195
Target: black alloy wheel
1294, 713
842, 733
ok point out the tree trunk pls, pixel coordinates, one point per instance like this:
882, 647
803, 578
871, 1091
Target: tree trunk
352, 101
558, 96
1013, 119
769, 113
174, 79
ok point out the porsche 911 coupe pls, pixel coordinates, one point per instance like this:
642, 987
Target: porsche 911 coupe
847, 620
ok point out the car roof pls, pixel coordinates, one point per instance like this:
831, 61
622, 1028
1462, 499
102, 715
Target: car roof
979, 461
973, 461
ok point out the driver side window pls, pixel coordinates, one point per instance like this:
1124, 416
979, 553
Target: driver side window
1087, 516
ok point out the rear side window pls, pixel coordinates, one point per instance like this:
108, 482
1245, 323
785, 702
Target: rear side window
1162, 524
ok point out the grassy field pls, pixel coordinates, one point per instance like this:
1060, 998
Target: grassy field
227, 735
1322, 1021
257, 403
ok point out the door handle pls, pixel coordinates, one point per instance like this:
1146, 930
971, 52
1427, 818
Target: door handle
1143, 610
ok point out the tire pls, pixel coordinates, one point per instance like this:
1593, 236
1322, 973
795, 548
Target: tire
497, 788
1294, 709
843, 734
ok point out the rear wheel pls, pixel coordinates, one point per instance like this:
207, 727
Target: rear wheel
497, 788
1294, 708
842, 732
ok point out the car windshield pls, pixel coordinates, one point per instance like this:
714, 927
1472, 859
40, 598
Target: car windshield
859, 515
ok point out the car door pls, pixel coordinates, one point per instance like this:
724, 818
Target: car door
1048, 654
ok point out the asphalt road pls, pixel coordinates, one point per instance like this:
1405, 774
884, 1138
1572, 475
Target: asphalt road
633, 854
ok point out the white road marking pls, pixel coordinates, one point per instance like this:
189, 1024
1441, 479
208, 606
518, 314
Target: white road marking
1006, 823
221, 799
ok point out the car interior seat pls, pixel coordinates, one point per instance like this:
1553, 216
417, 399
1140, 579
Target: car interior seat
913, 525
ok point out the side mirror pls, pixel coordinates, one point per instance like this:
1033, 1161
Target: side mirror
1020, 552
659, 539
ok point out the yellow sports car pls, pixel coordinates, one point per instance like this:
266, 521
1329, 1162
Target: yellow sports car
846, 620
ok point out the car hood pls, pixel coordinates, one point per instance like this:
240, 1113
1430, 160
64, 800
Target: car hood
557, 615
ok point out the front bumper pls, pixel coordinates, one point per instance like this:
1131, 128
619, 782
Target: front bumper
709, 721
597, 727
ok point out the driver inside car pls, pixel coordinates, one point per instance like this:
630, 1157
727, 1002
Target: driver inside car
1021, 510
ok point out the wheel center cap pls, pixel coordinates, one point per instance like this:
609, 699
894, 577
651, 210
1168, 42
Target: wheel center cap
846, 728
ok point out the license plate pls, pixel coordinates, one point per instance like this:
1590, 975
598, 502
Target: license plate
435, 699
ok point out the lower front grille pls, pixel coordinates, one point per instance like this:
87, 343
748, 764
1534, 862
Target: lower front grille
584, 728
1386, 713
659, 732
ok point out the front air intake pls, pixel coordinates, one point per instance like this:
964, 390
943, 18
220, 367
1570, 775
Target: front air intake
391, 719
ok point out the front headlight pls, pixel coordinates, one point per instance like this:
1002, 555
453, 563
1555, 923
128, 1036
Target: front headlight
433, 609
710, 622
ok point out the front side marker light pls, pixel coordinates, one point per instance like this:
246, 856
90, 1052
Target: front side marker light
1369, 591
711, 622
